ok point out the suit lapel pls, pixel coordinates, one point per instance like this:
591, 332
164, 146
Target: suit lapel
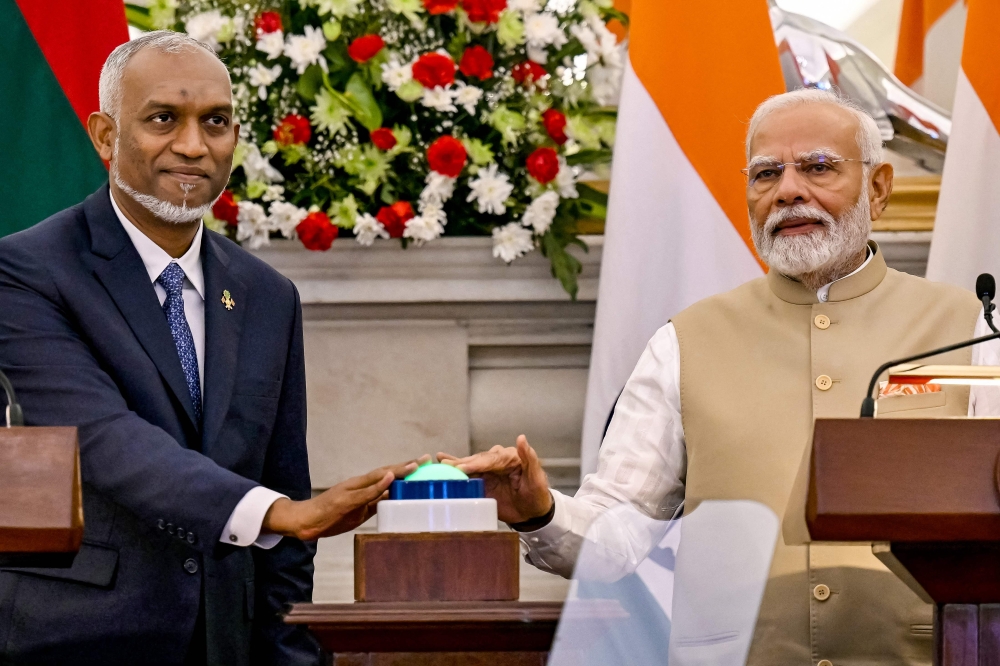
223, 328
125, 279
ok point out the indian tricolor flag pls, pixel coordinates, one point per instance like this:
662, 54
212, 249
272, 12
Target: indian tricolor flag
677, 228
930, 47
966, 238
51, 53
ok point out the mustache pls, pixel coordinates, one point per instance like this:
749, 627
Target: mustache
797, 211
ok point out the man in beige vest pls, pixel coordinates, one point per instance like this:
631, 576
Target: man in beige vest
722, 401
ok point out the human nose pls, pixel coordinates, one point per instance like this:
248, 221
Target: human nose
189, 142
792, 186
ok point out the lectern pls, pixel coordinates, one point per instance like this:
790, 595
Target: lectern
926, 493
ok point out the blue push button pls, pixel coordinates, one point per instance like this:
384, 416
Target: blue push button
439, 489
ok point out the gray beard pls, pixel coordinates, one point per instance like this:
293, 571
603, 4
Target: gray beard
820, 257
163, 210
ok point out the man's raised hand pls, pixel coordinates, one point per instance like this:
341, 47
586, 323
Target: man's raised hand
513, 476
339, 509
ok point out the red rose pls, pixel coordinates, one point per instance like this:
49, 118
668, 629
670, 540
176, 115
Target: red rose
484, 11
394, 217
476, 62
225, 208
433, 70
529, 71
293, 129
555, 124
316, 231
440, 6
543, 165
267, 22
383, 138
447, 156
365, 48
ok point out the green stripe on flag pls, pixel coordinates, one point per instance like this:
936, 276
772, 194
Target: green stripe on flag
47, 162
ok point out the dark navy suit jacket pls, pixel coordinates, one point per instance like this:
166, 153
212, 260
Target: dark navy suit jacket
85, 342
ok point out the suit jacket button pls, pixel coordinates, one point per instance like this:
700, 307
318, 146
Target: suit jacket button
170, 528
190, 566
161, 524
180, 532
190, 537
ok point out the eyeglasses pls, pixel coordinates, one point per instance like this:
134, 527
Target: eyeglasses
819, 170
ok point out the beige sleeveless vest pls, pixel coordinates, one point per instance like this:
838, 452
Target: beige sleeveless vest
758, 364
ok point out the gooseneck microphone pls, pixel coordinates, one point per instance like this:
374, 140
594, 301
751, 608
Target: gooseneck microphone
986, 288
14, 415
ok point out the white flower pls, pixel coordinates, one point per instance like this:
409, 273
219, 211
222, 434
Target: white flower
426, 226
205, 27
262, 76
339, 8
438, 98
307, 49
467, 97
257, 167
605, 84
272, 43
490, 190
541, 212
511, 241
543, 30
273, 193
566, 181
367, 229
439, 189
524, 6
284, 217
396, 75
252, 225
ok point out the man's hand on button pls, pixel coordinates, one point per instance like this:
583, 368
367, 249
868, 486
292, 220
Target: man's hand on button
513, 476
340, 509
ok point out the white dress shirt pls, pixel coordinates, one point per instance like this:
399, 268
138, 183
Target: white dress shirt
647, 433
244, 525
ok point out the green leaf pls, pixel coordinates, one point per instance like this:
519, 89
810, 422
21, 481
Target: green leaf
565, 267
310, 82
588, 193
139, 17
363, 103
336, 56
611, 13
589, 157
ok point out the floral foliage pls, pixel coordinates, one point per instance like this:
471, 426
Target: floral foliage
410, 119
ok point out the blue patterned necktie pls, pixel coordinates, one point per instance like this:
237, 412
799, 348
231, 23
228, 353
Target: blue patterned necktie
172, 281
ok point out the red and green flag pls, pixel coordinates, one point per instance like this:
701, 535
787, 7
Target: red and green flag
50, 63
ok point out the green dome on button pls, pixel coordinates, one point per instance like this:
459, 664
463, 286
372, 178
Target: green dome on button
437, 472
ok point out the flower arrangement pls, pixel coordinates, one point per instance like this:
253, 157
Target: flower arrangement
411, 119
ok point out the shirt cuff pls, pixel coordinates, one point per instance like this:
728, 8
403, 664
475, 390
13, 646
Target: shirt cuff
560, 524
244, 524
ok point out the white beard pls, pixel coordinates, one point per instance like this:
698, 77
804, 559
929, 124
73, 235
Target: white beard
163, 210
822, 252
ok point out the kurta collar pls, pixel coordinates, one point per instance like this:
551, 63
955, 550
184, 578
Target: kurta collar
852, 286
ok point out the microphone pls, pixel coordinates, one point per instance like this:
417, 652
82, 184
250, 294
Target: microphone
986, 289
14, 415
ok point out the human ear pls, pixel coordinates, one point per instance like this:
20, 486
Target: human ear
102, 130
879, 188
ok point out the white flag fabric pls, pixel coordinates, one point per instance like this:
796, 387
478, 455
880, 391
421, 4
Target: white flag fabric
966, 239
677, 228
930, 47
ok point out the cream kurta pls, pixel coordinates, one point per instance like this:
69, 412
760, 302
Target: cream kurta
749, 364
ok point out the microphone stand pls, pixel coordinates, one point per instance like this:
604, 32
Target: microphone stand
15, 417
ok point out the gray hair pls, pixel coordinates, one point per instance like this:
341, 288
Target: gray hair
165, 41
869, 136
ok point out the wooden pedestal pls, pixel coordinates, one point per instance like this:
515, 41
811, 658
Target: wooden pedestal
41, 502
437, 566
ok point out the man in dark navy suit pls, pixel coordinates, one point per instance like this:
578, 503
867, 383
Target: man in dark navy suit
179, 356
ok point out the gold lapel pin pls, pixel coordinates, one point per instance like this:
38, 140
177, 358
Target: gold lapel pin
227, 300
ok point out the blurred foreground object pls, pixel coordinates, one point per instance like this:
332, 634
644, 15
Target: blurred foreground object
50, 60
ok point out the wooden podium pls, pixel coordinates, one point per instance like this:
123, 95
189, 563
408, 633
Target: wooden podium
926, 493
41, 501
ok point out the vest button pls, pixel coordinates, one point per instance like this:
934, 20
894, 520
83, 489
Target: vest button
822, 322
824, 383
824, 662
821, 592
